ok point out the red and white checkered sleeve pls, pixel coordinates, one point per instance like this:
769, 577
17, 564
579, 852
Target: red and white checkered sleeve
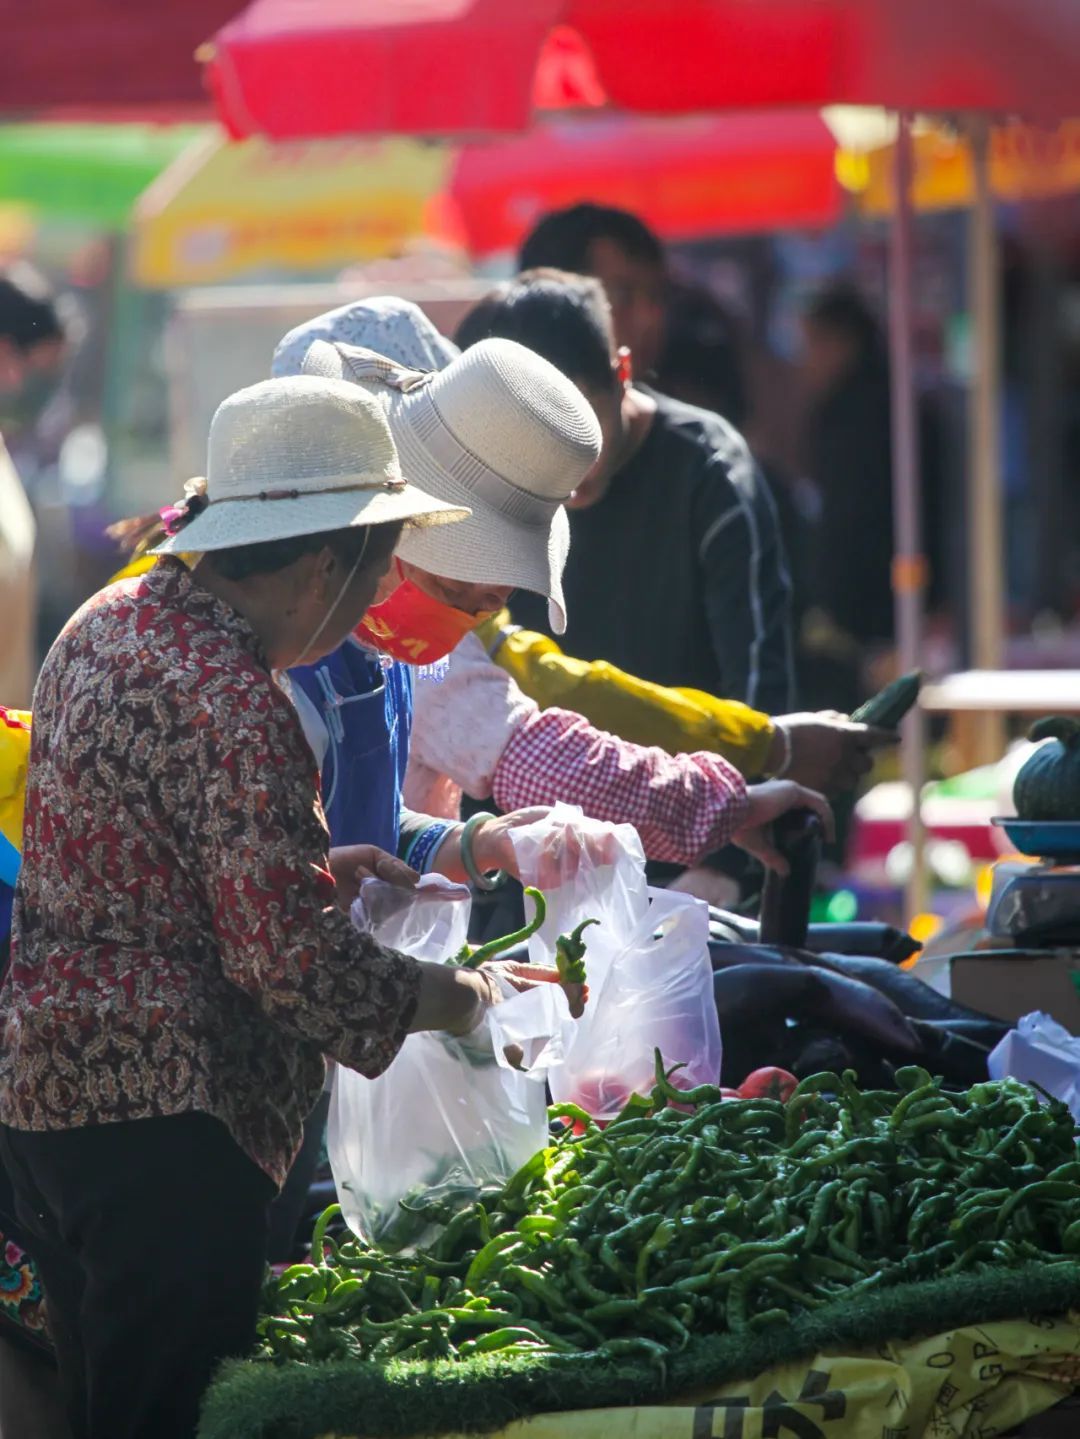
683, 806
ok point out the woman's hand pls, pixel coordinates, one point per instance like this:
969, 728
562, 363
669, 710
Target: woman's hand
350, 864
828, 751
562, 850
485, 987
521, 977
767, 802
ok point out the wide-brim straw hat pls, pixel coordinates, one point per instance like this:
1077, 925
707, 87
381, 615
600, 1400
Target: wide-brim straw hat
499, 430
300, 456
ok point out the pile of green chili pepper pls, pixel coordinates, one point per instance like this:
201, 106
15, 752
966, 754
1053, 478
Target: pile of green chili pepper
732, 1217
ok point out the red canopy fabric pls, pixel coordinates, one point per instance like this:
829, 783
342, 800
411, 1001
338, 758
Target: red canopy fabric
128, 58
687, 178
453, 67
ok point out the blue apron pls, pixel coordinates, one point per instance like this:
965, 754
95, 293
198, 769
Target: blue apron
9, 869
365, 704
7, 902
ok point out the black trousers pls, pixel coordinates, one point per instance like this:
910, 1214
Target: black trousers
288, 1209
150, 1239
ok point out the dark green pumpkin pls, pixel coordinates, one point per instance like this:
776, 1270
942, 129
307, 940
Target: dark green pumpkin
1048, 786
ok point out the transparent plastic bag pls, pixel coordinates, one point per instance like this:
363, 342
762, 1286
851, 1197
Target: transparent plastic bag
649, 974
432, 918
1040, 1051
449, 1117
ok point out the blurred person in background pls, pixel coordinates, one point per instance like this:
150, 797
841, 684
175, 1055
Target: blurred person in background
32, 347
683, 340
676, 570
848, 457
32, 351
650, 306
626, 257
703, 363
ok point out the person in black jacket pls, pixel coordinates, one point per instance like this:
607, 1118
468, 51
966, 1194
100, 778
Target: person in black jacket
703, 363
677, 571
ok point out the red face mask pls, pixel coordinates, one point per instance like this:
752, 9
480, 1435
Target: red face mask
411, 626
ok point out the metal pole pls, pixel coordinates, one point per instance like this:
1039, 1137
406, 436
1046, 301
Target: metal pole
909, 565
986, 559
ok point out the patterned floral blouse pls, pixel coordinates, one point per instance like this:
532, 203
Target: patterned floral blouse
176, 943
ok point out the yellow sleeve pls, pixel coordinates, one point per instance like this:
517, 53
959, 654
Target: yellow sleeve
143, 563
14, 757
135, 568
678, 720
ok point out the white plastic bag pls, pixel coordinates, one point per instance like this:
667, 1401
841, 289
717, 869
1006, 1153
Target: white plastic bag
1040, 1051
647, 962
433, 917
448, 1117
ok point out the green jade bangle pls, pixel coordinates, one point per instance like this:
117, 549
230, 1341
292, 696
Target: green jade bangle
481, 881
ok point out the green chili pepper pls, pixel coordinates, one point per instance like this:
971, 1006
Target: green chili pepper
657, 1242
664, 1092
533, 1334
497, 1248
570, 954
318, 1234
469, 958
634, 1348
1056, 1191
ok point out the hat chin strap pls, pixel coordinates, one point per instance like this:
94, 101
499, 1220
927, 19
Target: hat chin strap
340, 596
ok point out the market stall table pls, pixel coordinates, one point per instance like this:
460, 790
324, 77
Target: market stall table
968, 697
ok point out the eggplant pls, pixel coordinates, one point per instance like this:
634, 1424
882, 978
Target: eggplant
785, 900
871, 938
749, 992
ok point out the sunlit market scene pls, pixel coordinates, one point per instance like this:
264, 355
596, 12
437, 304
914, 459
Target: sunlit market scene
540, 719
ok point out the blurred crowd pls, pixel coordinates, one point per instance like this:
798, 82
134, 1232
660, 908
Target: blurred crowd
791, 601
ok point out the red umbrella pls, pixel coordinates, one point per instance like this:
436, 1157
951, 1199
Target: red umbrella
688, 178
320, 67
129, 60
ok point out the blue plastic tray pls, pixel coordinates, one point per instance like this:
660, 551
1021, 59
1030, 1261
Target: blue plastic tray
1043, 839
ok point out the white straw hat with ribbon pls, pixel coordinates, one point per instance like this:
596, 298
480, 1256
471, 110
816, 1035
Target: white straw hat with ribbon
499, 430
300, 456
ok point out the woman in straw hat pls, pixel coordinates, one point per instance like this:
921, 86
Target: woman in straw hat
356, 705
179, 964
478, 432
